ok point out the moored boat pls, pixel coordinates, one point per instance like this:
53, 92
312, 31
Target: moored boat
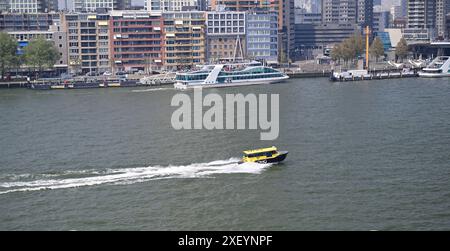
439, 67
229, 74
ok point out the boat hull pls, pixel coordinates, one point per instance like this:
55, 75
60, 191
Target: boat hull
433, 75
232, 84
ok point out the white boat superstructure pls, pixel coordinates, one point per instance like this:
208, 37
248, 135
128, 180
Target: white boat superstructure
439, 67
229, 74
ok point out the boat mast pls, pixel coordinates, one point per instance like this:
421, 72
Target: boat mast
237, 45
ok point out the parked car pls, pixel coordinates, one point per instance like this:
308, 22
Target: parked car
107, 73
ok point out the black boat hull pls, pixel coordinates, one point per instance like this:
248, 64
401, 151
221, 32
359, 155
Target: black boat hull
276, 159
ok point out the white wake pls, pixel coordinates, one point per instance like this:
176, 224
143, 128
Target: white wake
127, 175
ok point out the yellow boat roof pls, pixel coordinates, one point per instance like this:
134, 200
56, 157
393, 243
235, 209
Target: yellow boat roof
261, 150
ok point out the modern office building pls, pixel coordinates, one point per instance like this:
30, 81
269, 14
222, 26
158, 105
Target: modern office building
93, 5
225, 35
136, 39
311, 39
27, 22
184, 36
87, 42
262, 36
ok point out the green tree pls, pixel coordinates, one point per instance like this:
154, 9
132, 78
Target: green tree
377, 48
8, 47
40, 53
358, 42
401, 51
336, 53
349, 52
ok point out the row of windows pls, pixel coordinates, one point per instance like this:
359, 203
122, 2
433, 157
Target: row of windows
226, 16
226, 30
226, 23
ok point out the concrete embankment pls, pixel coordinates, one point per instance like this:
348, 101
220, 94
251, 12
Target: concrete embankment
14, 84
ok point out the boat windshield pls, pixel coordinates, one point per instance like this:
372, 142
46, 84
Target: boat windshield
266, 154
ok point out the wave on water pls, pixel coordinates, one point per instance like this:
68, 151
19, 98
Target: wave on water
152, 89
79, 178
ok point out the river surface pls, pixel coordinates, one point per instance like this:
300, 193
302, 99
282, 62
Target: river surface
362, 156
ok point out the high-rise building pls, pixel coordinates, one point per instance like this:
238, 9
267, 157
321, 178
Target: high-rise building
365, 13
93, 5
347, 12
442, 9
286, 31
421, 14
427, 19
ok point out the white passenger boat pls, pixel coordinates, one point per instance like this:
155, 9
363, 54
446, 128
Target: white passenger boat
229, 74
439, 67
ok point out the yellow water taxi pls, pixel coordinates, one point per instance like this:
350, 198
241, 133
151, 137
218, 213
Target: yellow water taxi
264, 155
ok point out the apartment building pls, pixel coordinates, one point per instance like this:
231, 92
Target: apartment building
87, 42
184, 36
137, 40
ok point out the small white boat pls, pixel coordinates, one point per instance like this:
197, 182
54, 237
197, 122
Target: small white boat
228, 75
439, 67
